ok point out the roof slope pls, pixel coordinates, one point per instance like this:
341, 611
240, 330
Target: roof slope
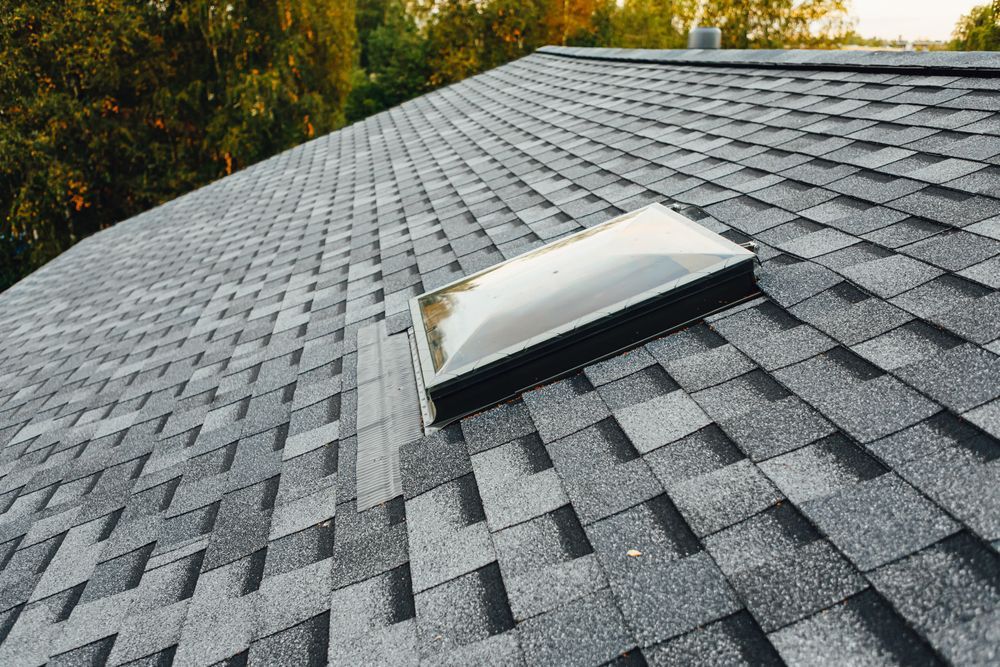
813, 473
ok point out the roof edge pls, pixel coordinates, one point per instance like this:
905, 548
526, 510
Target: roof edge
940, 63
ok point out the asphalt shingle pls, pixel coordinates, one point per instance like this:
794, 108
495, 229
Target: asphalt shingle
782, 568
811, 472
896, 521
949, 593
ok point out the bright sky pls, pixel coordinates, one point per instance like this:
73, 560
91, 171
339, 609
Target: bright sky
911, 19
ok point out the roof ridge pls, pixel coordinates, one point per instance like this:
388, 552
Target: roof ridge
955, 63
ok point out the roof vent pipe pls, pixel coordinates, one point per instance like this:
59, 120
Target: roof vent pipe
705, 38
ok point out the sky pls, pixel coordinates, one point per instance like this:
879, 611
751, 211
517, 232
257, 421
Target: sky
911, 19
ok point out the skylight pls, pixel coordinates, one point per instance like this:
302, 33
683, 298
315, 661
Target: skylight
579, 299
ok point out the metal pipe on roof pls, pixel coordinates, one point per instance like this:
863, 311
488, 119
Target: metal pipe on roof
705, 38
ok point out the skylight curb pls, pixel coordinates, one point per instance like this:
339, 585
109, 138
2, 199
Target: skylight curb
603, 332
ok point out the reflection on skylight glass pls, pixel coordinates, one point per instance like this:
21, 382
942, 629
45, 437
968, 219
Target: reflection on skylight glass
502, 308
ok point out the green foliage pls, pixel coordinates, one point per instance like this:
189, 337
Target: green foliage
71, 137
979, 30
513, 28
652, 24
108, 107
455, 33
393, 61
368, 16
778, 24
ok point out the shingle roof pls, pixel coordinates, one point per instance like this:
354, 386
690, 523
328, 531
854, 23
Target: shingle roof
813, 473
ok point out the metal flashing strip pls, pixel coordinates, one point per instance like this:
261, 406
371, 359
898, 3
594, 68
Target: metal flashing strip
425, 405
388, 412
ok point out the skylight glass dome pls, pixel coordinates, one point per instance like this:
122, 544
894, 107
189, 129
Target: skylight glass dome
581, 298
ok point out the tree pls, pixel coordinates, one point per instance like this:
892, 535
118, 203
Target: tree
574, 22
778, 24
979, 30
455, 30
369, 15
652, 24
71, 133
512, 29
393, 63
601, 32
108, 107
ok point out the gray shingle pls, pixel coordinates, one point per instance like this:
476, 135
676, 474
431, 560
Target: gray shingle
618, 367
243, 524
373, 620
951, 207
949, 592
304, 512
517, 482
821, 469
792, 572
207, 403
663, 600
960, 378
954, 251
987, 273
850, 315
220, 615
977, 320
788, 347
287, 599
872, 409
733, 640
905, 346
94, 653
552, 548
601, 471
369, 543
565, 407
875, 186
818, 243
697, 454
986, 417
865, 629
639, 387
895, 521
783, 425
661, 420
496, 426
304, 644
433, 460
666, 585
589, 630
863, 154
117, 575
698, 371
299, 549
447, 533
983, 182
724, 496
890, 276
462, 611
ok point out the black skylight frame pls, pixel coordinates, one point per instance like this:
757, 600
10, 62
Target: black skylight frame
584, 340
